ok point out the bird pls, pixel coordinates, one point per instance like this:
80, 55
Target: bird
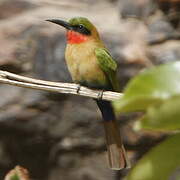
90, 64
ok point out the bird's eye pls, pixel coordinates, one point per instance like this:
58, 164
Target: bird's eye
80, 26
81, 29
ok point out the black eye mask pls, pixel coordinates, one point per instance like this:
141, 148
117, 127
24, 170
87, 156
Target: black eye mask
81, 29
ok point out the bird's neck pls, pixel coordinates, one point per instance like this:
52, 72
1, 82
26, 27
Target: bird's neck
76, 38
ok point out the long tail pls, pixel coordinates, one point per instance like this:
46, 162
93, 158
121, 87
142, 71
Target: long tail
116, 152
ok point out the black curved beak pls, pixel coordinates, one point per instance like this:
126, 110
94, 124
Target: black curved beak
61, 23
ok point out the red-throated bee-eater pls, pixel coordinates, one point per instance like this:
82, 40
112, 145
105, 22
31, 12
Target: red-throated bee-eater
91, 65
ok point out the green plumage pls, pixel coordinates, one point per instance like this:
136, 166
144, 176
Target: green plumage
82, 21
108, 66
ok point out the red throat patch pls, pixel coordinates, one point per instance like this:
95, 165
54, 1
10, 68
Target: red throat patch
75, 37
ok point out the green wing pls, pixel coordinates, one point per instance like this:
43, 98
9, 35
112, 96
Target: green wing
108, 65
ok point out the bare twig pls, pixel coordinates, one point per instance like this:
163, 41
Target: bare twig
66, 88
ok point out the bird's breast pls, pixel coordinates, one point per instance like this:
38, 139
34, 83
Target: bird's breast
83, 65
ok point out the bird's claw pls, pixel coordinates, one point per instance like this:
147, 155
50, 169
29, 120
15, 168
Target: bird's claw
78, 88
100, 95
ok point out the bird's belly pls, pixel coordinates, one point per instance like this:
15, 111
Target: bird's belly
92, 75
83, 64
86, 71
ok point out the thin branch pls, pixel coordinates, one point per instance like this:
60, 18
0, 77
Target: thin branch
65, 88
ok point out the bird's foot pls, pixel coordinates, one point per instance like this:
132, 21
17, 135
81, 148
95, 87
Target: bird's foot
78, 88
100, 95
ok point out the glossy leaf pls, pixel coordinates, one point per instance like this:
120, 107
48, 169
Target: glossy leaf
163, 117
161, 163
150, 87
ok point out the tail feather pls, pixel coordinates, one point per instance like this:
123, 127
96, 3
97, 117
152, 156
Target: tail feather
116, 152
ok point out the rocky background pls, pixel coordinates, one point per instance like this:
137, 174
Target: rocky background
57, 136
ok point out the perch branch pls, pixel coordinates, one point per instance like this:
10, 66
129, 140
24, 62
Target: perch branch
66, 88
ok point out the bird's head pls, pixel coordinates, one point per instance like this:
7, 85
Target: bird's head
79, 29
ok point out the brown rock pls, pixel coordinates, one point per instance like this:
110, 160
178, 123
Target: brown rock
9, 8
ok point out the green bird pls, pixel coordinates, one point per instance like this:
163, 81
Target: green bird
90, 64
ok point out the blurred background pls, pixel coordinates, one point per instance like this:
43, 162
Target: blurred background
57, 136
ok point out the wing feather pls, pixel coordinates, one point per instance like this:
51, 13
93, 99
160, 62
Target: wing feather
108, 65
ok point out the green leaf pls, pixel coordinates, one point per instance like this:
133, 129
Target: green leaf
161, 163
152, 86
163, 117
